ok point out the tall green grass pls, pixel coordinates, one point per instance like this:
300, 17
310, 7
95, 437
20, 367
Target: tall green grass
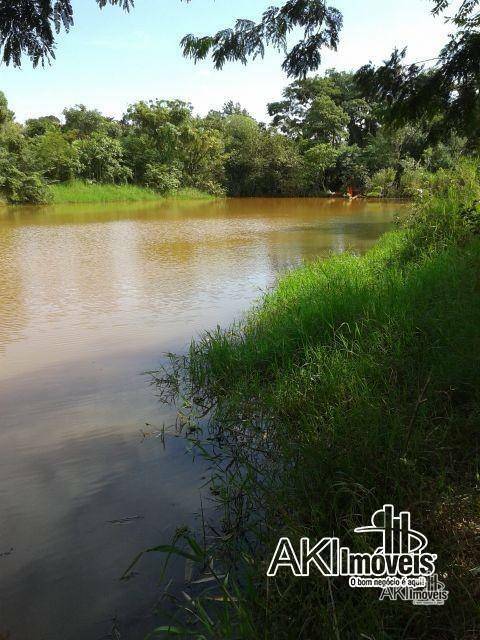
82, 192
353, 384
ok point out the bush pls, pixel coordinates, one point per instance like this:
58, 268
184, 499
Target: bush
460, 184
101, 159
414, 179
212, 187
382, 183
163, 178
447, 213
55, 156
19, 184
21, 188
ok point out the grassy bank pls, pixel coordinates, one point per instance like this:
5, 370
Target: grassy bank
82, 192
353, 384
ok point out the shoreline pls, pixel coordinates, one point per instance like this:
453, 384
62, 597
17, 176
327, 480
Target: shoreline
79, 192
349, 386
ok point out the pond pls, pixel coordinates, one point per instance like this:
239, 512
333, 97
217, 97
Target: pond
91, 297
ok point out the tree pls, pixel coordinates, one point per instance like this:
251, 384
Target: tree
320, 24
243, 141
19, 180
83, 122
101, 159
351, 170
39, 126
54, 156
326, 122
231, 108
155, 132
5, 114
289, 114
21, 187
259, 161
448, 93
202, 155
335, 96
465, 16
318, 160
163, 178
164, 133
280, 167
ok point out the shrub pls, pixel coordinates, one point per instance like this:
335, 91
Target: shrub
382, 183
163, 178
458, 184
101, 159
414, 179
24, 188
212, 187
55, 156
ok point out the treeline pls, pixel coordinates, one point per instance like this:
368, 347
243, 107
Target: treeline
326, 135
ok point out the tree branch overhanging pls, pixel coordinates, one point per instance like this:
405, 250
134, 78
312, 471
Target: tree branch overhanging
320, 24
29, 27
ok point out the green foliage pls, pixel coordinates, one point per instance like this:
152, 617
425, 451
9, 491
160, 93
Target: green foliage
280, 167
258, 161
12, 138
340, 112
329, 108
318, 160
164, 133
325, 122
5, 114
446, 94
351, 169
101, 159
28, 27
81, 122
54, 156
162, 178
20, 180
243, 145
382, 183
328, 135
414, 178
353, 384
445, 155
447, 212
319, 23
79, 191
202, 157
40, 126
19, 187
161, 124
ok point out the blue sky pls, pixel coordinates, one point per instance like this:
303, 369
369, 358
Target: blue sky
111, 59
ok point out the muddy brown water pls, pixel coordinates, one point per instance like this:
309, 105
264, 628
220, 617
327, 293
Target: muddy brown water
91, 296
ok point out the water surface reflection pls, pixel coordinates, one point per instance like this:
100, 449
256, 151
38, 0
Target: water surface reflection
90, 298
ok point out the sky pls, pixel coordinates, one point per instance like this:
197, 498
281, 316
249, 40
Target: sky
111, 59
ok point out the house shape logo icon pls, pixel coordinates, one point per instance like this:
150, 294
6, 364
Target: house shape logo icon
396, 532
